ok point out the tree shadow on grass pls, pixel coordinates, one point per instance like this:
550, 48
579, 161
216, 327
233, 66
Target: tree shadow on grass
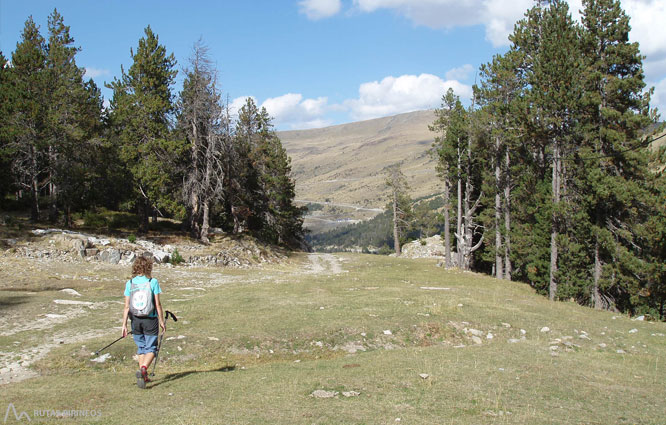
174, 376
8, 301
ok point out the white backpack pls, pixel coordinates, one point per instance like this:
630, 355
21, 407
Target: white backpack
141, 299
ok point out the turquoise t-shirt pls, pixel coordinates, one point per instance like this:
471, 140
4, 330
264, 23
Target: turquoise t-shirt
154, 288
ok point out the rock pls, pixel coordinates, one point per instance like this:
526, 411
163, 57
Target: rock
101, 359
506, 325
476, 340
435, 288
70, 292
72, 302
633, 331
513, 340
114, 256
602, 345
474, 332
78, 245
351, 393
621, 351
639, 318
388, 332
554, 348
523, 331
212, 338
489, 336
129, 257
424, 375
161, 257
323, 394
545, 329
91, 252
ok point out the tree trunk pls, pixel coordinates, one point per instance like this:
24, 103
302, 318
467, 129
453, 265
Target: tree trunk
598, 304
498, 213
205, 226
34, 188
447, 225
459, 242
143, 227
53, 206
396, 235
554, 221
507, 218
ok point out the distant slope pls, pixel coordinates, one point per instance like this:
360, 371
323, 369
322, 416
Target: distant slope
343, 164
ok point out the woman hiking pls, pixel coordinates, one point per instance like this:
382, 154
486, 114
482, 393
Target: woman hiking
143, 307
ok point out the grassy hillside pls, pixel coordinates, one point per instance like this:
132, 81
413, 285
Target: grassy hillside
251, 346
343, 164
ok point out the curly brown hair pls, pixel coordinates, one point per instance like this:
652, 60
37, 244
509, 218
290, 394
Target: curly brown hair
142, 266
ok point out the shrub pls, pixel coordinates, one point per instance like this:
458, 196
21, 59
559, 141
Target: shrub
176, 258
131, 238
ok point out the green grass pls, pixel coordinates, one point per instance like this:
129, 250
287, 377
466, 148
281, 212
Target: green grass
279, 335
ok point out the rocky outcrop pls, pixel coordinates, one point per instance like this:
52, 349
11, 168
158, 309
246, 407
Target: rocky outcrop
68, 246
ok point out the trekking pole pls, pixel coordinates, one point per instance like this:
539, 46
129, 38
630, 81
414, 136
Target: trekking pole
167, 313
102, 349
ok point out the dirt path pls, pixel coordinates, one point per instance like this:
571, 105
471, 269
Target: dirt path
34, 333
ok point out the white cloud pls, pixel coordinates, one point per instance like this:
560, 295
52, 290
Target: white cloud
319, 9
659, 98
461, 73
498, 16
96, 72
294, 111
395, 95
237, 104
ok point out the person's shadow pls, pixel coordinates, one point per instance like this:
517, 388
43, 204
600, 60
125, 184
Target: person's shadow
174, 376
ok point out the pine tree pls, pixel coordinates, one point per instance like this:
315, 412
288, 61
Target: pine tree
73, 121
552, 63
6, 105
27, 126
142, 109
499, 95
204, 125
613, 166
400, 204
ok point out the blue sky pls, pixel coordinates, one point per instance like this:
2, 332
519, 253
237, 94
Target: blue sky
314, 63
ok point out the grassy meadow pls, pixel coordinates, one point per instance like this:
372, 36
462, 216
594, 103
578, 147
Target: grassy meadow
395, 341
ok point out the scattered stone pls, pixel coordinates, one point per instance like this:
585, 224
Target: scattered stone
323, 394
639, 318
545, 329
476, 340
506, 325
602, 345
435, 288
633, 331
70, 292
620, 351
55, 316
212, 338
388, 332
460, 305
424, 375
72, 302
583, 336
351, 393
101, 359
489, 336
474, 332
179, 348
513, 340
523, 331
554, 348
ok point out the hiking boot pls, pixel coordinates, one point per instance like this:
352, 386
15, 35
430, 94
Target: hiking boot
141, 378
